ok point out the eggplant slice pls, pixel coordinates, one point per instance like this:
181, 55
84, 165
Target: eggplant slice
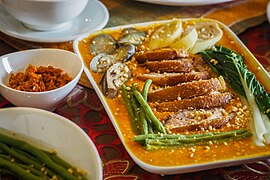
113, 78
132, 36
125, 52
103, 43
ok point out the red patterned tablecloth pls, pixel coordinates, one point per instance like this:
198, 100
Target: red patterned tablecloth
83, 107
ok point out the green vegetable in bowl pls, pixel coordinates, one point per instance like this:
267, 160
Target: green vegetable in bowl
26, 161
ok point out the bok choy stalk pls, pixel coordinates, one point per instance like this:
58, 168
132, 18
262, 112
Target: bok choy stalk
230, 65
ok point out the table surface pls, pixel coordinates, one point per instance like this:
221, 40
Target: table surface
85, 109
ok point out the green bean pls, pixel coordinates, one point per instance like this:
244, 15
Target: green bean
143, 137
149, 113
33, 171
150, 129
20, 172
24, 166
143, 118
143, 122
238, 131
193, 137
65, 164
136, 110
22, 157
138, 116
40, 155
19, 151
146, 88
127, 101
6, 172
59, 160
8, 158
131, 108
156, 143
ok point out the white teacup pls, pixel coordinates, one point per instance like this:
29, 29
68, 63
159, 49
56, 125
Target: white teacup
44, 15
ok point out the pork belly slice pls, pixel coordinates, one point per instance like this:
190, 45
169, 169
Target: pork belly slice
171, 79
214, 99
198, 119
159, 55
177, 66
186, 90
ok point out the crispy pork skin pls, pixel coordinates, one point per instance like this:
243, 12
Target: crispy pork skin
198, 119
159, 55
178, 66
207, 101
185, 90
171, 79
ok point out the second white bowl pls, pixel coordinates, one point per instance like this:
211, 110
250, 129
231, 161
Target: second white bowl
17, 62
50, 131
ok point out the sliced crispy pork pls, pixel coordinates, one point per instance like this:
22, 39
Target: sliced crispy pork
159, 55
201, 65
177, 66
197, 99
198, 119
186, 90
171, 79
215, 99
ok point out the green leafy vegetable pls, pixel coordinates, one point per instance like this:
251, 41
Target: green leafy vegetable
230, 65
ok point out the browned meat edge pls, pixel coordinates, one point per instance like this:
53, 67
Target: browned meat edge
169, 66
172, 124
207, 101
200, 64
185, 90
171, 79
158, 55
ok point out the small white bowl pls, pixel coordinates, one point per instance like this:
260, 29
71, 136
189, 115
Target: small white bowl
17, 62
50, 131
45, 15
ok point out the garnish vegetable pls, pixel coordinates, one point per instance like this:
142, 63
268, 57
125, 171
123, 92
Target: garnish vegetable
231, 66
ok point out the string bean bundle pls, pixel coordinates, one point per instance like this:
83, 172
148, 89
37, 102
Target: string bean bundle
25, 161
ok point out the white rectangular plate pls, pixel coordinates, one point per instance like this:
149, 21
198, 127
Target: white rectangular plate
174, 169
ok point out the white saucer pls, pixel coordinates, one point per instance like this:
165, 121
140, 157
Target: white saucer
94, 17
